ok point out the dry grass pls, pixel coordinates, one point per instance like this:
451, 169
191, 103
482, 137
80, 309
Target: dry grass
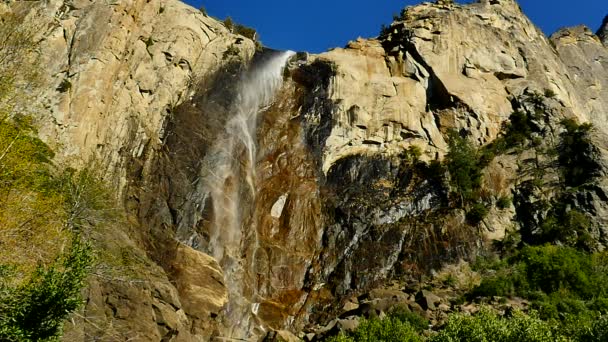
32, 230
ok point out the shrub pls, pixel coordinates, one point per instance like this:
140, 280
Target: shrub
496, 285
552, 268
245, 31
569, 227
477, 213
404, 314
65, 85
518, 130
549, 93
389, 329
385, 330
503, 202
35, 311
488, 326
229, 24
560, 281
598, 331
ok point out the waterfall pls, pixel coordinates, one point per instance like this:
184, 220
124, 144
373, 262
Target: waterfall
229, 179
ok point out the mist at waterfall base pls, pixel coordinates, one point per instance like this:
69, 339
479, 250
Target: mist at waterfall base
228, 174
316, 26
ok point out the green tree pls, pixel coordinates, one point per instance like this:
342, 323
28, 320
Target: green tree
229, 24
576, 153
462, 163
35, 311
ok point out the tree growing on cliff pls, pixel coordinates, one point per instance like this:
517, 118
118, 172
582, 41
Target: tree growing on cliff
576, 153
463, 165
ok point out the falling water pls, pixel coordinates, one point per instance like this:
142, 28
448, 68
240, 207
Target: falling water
230, 181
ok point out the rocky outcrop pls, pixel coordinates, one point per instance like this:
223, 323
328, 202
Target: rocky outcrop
416, 80
200, 283
113, 74
439, 67
345, 195
125, 67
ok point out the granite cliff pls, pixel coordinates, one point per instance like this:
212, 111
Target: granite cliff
343, 198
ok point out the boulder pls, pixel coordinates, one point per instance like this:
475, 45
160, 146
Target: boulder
348, 324
427, 299
200, 283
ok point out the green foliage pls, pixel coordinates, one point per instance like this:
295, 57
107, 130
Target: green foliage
40, 283
477, 213
549, 93
500, 284
567, 226
487, 326
404, 314
341, 337
412, 154
559, 280
576, 153
24, 159
503, 202
389, 329
598, 332
36, 310
245, 31
462, 163
66, 85
552, 268
517, 131
229, 24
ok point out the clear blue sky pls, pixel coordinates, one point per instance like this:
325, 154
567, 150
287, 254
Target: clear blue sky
317, 25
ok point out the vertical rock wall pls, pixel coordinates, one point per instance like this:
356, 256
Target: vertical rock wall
341, 207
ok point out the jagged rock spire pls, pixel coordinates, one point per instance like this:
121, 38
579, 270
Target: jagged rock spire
603, 31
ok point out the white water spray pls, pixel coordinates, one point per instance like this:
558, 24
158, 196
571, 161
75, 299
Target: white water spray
230, 179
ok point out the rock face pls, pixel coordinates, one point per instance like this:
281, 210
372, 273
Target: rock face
127, 65
602, 33
113, 74
343, 201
